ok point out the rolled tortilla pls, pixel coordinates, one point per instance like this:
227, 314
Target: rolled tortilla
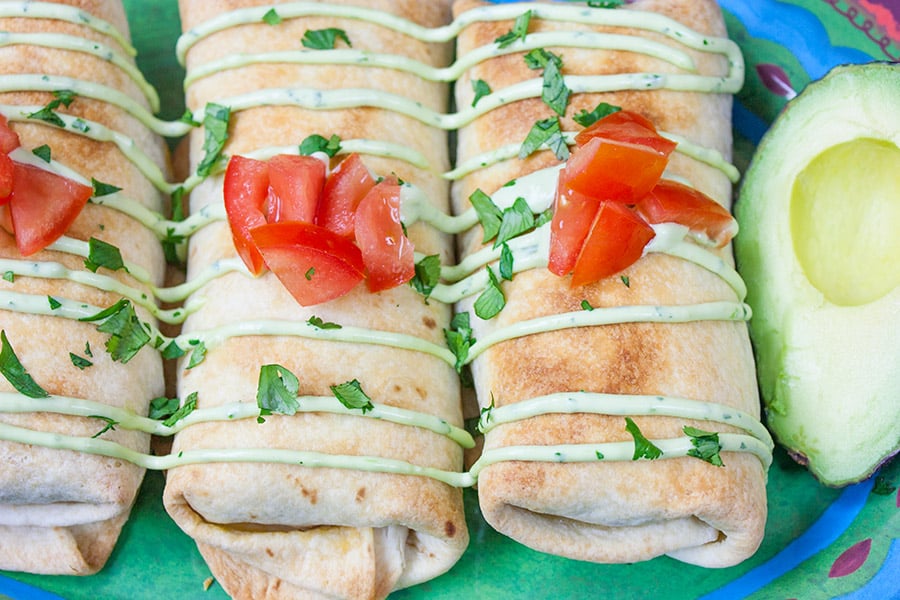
612, 510
282, 531
61, 511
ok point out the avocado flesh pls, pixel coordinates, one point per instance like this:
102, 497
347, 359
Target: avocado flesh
819, 248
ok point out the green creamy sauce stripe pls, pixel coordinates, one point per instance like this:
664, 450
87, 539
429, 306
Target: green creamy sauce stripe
61, 12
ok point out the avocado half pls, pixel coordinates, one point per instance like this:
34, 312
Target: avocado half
819, 248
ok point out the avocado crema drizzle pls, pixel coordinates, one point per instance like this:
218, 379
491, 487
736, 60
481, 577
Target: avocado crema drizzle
457, 281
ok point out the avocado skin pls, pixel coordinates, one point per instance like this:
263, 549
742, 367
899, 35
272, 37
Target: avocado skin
829, 374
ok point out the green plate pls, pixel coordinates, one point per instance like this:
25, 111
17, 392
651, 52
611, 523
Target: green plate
819, 543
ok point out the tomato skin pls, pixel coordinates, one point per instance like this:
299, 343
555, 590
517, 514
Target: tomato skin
9, 139
7, 172
573, 215
347, 185
616, 241
612, 170
387, 252
295, 184
245, 189
42, 206
628, 127
673, 202
314, 264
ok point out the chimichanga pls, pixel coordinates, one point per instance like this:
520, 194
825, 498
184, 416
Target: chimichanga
68, 83
348, 527
572, 380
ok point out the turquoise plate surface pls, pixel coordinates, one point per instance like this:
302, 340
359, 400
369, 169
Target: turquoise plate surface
819, 543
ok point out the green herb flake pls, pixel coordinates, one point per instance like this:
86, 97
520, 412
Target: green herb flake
172, 350
190, 404
110, 425
585, 305
539, 57
42, 152
489, 215
518, 32
317, 143
79, 361
13, 371
103, 189
162, 408
491, 301
127, 333
277, 390
64, 97
506, 262
87, 349
625, 280
47, 116
80, 125
516, 220
351, 395
215, 121
198, 355
53, 302
9, 276
427, 274
604, 109
599, 455
103, 254
272, 17
481, 89
706, 445
459, 339
554, 91
188, 117
486, 415
545, 132
643, 448
605, 3
324, 39
309, 273
320, 324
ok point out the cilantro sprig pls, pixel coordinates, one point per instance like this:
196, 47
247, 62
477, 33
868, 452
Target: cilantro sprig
215, 122
127, 332
15, 373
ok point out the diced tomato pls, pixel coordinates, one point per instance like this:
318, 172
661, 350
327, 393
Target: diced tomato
313, 263
245, 189
9, 139
573, 215
628, 127
387, 252
7, 171
347, 185
295, 185
42, 206
673, 202
616, 241
612, 170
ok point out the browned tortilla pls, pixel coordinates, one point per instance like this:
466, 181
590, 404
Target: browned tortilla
61, 511
279, 531
614, 511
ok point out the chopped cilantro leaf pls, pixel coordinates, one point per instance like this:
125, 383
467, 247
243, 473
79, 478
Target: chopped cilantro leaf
585, 305
706, 445
127, 333
324, 39
351, 395
110, 425
506, 262
481, 89
54, 303
428, 274
79, 361
162, 408
277, 390
42, 152
538, 59
488, 214
198, 354
599, 455
190, 403
271, 17
15, 373
491, 301
215, 121
516, 220
604, 109
318, 322
188, 117
459, 339
317, 143
64, 97
47, 116
554, 91
103, 189
643, 448
546, 131
518, 32
309, 273
9, 276
103, 254
486, 415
